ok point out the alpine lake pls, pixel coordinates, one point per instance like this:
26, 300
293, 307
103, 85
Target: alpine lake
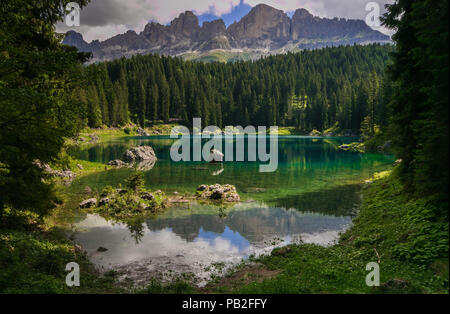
311, 198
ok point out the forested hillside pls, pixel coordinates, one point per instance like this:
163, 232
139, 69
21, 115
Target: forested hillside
309, 90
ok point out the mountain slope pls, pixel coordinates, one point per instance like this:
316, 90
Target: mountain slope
264, 30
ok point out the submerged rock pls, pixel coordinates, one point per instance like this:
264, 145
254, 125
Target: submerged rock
92, 202
225, 192
139, 153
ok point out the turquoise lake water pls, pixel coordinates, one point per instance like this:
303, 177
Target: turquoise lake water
311, 197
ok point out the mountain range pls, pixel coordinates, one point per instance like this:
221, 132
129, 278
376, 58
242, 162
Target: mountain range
264, 30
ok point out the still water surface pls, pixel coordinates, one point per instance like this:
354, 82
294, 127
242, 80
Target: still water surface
311, 197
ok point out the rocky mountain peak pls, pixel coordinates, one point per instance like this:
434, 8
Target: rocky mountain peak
264, 28
186, 24
212, 29
302, 14
261, 24
76, 40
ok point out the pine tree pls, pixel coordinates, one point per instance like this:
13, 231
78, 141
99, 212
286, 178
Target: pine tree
165, 100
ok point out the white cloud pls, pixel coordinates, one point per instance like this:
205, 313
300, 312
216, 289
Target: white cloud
353, 9
350, 9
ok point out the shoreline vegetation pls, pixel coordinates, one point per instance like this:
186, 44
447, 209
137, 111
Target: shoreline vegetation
99, 135
390, 228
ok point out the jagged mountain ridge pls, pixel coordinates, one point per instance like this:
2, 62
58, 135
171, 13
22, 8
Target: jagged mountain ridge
264, 30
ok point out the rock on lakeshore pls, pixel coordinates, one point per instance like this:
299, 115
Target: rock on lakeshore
142, 132
139, 153
116, 163
65, 174
92, 202
219, 192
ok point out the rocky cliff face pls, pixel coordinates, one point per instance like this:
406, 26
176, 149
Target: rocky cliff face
263, 29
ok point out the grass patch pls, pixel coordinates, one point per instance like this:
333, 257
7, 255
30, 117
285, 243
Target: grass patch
33, 257
401, 232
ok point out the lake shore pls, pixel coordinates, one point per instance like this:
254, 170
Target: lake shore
382, 232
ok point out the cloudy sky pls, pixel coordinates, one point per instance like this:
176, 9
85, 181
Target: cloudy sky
102, 19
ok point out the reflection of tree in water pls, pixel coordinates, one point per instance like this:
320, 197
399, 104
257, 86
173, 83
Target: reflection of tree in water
337, 201
222, 212
136, 227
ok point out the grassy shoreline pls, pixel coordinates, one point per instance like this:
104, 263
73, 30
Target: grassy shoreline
412, 251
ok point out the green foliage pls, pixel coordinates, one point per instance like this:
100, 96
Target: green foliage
136, 202
38, 79
427, 240
32, 265
334, 130
420, 106
107, 190
178, 286
34, 261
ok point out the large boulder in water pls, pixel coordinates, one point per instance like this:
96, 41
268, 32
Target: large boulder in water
139, 153
218, 192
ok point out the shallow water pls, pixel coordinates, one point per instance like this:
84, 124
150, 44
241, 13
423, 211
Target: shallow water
310, 198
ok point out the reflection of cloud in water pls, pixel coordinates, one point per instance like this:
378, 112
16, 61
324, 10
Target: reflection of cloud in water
253, 222
122, 249
204, 240
325, 238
